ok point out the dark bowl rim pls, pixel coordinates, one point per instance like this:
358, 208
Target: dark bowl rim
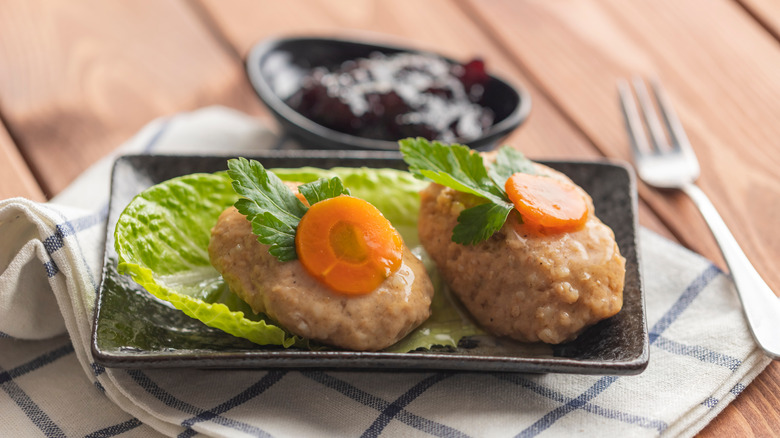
287, 114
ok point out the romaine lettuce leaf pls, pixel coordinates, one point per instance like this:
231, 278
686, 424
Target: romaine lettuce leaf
162, 238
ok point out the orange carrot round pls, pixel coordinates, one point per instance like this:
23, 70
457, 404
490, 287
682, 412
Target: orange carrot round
346, 243
547, 205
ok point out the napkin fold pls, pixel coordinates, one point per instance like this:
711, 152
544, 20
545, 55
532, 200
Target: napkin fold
701, 355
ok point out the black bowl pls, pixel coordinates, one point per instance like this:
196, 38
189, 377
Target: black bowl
276, 67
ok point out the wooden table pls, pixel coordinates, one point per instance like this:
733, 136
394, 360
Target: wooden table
78, 78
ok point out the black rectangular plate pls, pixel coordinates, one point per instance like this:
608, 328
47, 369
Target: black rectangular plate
133, 329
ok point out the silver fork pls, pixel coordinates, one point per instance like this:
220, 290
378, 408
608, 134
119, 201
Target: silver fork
673, 165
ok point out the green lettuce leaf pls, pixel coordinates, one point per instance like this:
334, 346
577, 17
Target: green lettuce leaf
163, 234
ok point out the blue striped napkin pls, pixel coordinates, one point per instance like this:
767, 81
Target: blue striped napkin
702, 355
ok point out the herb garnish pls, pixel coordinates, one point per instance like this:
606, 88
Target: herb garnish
461, 168
272, 208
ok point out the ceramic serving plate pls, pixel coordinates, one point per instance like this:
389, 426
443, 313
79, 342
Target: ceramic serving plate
276, 66
133, 329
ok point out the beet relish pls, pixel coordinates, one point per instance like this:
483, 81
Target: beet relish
389, 97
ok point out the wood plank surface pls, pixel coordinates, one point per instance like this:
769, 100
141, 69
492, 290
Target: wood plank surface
766, 13
725, 91
79, 78
15, 177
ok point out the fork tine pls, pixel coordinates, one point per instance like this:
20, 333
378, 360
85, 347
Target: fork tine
676, 131
651, 116
636, 132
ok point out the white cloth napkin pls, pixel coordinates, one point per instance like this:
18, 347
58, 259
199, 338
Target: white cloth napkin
701, 356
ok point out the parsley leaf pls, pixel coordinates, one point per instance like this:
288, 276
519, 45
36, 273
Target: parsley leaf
478, 223
322, 189
268, 204
462, 169
455, 166
508, 162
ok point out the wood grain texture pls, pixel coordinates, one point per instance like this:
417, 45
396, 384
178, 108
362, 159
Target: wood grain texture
15, 177
720, 72
79, 78
766, 13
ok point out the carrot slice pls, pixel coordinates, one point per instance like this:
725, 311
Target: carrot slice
346, 243
547, 205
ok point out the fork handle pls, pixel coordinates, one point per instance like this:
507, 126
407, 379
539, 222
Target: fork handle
760, 304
